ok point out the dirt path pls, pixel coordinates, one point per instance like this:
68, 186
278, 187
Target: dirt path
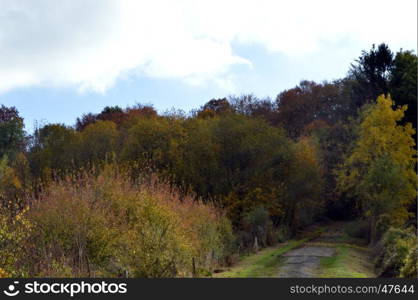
304, 262
332, 253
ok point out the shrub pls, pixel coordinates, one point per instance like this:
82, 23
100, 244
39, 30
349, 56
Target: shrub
76, 228
107, 225
393, 251
228, 254
409, 269
154, 242
14, 231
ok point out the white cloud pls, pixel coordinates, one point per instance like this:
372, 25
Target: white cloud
91, 43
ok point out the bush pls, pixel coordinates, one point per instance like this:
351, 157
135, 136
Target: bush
228, 254
77, 228
154, 243
409, 269
393, 251
108, 226
14, 231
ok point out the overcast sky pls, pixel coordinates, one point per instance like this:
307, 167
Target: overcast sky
59, 59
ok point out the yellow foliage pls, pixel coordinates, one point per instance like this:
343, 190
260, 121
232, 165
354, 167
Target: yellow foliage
14, 232
380, 170
3, 274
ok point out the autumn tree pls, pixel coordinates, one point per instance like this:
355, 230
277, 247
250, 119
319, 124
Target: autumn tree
85, 120
116, 115
98, 142
53, 151
305, 187
379, 172
240, 162
213, 107
309, 102
151, 140
251, 106
334, 143
109, 113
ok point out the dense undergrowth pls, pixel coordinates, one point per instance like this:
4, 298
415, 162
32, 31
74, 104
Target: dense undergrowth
107, 226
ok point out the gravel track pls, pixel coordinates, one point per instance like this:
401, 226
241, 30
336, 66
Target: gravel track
303, 262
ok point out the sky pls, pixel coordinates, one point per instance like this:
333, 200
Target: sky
60, 59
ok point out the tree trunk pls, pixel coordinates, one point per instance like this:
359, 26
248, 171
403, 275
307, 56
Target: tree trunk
256, 246
194, 267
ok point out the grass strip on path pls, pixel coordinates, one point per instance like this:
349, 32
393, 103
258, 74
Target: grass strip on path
349, 262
